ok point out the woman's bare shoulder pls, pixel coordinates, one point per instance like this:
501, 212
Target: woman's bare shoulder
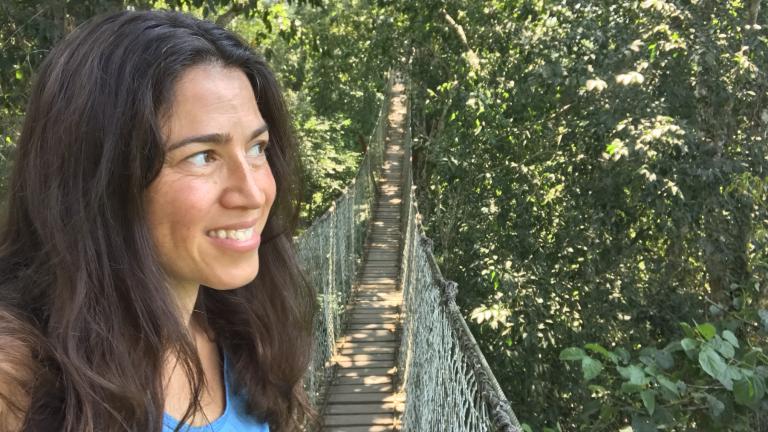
18, 369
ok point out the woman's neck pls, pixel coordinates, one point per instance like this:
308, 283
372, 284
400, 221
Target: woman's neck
177, 385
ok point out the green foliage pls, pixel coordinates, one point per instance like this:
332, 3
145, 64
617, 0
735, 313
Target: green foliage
595, 172
706, 381
331, 61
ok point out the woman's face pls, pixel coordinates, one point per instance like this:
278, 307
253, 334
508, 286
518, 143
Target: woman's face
210, 202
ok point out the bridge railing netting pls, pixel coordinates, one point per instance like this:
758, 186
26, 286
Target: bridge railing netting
446, 380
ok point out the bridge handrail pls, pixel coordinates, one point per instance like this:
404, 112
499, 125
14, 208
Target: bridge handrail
430, 390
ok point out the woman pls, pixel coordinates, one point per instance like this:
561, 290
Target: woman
147, 276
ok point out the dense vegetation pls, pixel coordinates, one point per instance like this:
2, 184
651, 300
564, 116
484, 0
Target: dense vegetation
618, 150
615, 269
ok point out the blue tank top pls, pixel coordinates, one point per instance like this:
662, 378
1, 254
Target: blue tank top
234, 418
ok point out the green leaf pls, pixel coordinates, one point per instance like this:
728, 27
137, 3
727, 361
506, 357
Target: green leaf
572, 354
723, 347
711, 362
597, 348
634, 374
623, 354
668, 384
759, 384
731, 338
706, 330
763, 314
630, 388
716, 407
744, 392
643, 424
649, 400
590, 367
687, 330
689, 344
664, 360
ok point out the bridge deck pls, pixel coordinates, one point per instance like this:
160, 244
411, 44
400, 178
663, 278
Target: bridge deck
362, 396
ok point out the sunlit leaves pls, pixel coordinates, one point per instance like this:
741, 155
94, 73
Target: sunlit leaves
630, 78
596, 85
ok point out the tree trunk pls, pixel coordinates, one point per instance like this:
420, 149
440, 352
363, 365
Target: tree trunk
754, 11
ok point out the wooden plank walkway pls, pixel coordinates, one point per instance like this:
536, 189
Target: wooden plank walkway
362, 397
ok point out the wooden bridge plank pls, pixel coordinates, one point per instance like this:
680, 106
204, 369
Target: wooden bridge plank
392, 298
359, 398
364, 364
361, 356
376, 349
376, 310
367, 408
361, 388
359, 419
371, 379
373, 319
379, 288
383, 272
384, 345
370, 302
375, 428
363, 372
361, 303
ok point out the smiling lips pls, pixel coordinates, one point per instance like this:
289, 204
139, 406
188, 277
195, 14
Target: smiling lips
240, 234
239, 237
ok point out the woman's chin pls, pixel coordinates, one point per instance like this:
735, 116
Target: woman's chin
232, 281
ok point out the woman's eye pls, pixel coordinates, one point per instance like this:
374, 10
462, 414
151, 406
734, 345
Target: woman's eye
200, 159
256, 150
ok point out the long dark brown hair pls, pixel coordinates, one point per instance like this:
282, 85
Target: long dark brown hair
78, 269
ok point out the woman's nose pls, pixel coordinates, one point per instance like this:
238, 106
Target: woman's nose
243, 188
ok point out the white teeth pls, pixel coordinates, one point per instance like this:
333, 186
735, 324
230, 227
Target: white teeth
239, 235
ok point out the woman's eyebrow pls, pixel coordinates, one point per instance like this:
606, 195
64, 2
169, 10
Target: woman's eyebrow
214, 138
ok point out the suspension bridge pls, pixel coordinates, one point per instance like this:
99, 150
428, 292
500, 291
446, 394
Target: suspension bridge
393, 352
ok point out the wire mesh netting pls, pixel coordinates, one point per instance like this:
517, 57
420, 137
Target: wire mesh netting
447, 383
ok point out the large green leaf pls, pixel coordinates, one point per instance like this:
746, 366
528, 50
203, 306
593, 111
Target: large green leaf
716, 406
744, 392
572, 354
668, 384
590, 367
711, 362
706, 330
731, 338
633, 373
649, 400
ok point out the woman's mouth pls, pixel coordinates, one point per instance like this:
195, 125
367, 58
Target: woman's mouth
239, 235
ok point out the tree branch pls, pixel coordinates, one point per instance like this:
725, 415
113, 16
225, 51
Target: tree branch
754, 11
469, 54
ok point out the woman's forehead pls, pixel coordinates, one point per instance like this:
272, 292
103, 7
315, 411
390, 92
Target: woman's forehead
212, 99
